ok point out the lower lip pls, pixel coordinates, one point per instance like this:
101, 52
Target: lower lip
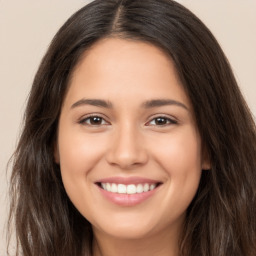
127, 199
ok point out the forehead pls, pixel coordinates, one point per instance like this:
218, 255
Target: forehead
118, 68
112, 54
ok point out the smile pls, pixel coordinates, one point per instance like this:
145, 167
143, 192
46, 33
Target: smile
128, 189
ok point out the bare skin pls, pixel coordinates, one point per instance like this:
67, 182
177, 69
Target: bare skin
126, 117
164, 244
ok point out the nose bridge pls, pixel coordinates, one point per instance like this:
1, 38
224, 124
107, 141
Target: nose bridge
127, 148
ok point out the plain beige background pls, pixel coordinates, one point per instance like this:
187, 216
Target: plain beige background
27, 27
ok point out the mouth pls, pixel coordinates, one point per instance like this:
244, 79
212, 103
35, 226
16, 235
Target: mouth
127, 191
128, 188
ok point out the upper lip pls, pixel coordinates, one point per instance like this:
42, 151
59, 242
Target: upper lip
128, 180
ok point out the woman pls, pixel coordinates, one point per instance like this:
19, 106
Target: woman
137, 140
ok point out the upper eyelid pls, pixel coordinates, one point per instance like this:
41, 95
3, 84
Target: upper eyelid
164, 116
93, 115
86, 117
171, 120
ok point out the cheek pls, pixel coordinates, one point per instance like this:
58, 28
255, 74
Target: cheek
180, 158
180, 153
79, 153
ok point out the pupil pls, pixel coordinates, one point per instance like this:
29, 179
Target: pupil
96, 120
161, 121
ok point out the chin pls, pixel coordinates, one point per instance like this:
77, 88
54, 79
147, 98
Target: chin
128, 233
127, 229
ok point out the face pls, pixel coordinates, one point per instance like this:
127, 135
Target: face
128, 147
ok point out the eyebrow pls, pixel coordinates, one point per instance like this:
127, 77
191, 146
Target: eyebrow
148, 104
93, 102
163, 102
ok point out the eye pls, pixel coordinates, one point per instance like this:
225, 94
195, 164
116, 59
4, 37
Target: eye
161, 121
93, 121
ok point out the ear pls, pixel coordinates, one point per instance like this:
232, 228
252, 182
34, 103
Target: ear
206, 165
206, 161
56, 153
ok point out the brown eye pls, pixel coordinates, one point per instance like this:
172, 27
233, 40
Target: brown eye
162, 121
94, 121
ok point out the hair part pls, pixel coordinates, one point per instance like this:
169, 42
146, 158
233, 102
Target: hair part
221, 218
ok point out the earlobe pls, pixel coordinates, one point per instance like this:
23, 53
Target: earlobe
56, 154
206, 165
206, 162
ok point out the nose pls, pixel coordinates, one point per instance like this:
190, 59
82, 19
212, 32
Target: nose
127, 149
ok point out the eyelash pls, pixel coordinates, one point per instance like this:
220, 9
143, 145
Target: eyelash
90, 117
167, 121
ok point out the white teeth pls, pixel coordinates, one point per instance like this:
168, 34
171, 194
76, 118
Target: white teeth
131, 189
121, 189
139, 188
108, 187
152, 186
146, 188
114, 188
128, 189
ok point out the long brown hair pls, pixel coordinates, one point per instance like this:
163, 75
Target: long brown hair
221, 220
